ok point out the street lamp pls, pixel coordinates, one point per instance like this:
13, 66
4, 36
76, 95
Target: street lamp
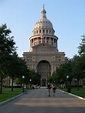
23, 83
68, 84
30, 83
54, 82
67, 76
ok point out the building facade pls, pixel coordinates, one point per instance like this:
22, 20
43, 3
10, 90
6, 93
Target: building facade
44, 56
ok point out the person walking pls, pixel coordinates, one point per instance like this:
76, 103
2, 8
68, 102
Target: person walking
49, 87
54, 89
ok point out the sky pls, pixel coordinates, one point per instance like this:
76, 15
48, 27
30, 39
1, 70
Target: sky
67, 17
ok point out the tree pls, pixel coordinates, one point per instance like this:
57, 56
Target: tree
83, 66
7, 48
81, 48
77, 68
12, 64
23, 71
81, 62
61, 73
35, 77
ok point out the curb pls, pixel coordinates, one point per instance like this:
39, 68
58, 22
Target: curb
4, 102
73, 95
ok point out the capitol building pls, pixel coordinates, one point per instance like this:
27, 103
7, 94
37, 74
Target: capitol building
44, 56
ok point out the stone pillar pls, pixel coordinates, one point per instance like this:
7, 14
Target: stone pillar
50, 40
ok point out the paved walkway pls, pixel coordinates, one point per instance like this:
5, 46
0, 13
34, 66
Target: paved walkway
37, 101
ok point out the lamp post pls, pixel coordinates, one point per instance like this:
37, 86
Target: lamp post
30, 83
54, 82
23, 83
68, 84
67, 76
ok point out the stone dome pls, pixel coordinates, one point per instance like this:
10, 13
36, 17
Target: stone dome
43, 22
43, 33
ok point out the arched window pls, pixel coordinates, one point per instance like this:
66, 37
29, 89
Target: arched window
43, 31
46, 31
40, 31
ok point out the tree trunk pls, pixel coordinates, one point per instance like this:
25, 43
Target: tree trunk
12, 85
0, 85
78, 84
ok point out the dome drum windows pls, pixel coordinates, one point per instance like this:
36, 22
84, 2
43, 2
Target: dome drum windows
52, 41
40, 31
49, 31
55, 43
32, 40
47, 40
43, 31
46, 31
39, 41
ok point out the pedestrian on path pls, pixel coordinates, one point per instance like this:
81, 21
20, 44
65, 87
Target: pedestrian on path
54, 89
49, 87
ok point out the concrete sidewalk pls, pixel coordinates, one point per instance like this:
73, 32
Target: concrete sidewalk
37, 101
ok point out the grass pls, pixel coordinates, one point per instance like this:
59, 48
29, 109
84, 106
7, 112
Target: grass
80, 92
7, 93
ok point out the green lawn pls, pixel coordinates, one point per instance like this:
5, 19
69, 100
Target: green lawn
80, 92
7, 93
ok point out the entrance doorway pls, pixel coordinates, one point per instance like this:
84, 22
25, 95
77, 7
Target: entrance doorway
44, 69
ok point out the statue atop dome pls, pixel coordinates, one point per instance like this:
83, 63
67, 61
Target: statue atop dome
43, 6
43, 12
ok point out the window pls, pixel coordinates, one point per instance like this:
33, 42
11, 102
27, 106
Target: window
29, 58
40, 31
46, 31
58, 58
32, 40
49, 31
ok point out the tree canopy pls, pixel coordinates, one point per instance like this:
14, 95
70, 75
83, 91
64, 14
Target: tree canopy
7, 48
74, 68
82, 46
